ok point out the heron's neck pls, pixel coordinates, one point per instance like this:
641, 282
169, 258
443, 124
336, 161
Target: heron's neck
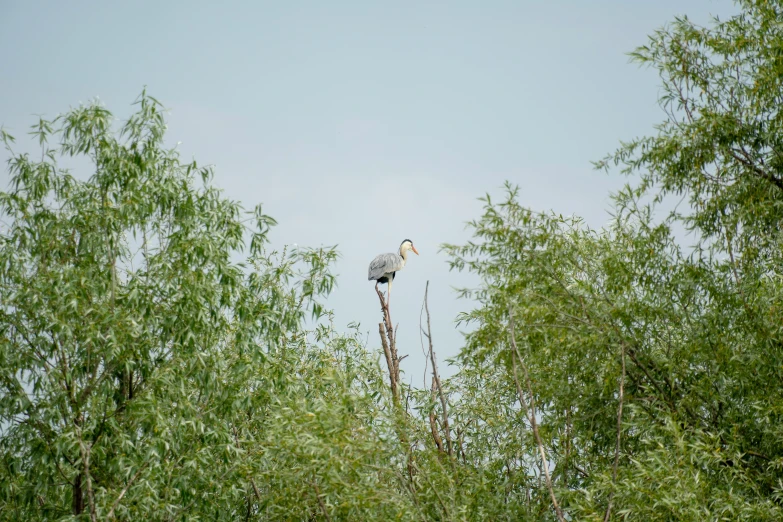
404, 255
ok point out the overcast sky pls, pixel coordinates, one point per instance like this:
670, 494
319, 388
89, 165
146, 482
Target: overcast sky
362, 123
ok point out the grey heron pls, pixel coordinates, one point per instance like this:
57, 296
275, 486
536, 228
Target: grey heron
383, 267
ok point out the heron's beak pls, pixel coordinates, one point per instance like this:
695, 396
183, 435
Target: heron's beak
414, 250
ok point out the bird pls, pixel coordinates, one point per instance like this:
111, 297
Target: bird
384, 266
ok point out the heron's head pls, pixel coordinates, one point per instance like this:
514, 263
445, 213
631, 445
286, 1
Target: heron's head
408, 245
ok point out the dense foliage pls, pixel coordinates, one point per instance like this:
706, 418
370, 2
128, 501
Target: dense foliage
156, 360
656, 360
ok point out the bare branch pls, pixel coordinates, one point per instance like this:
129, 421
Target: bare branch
389, 348
436, 377
389, 361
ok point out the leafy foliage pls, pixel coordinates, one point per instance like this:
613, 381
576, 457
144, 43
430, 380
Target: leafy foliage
144, 371
686, 340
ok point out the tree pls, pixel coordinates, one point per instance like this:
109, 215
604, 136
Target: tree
655, 367
140, 363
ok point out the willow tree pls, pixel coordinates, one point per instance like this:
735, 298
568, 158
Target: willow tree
654, 360
145, 371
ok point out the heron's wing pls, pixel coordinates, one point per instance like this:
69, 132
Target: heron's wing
384, 264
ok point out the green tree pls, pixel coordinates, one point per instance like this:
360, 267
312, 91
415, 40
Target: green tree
145, 372
654, 368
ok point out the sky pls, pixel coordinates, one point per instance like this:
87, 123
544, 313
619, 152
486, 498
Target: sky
360, 124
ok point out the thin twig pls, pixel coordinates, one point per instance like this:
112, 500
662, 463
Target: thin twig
410, 389
125, 490
436, 377
619, 434
728, 236
531, 413
255, 489
434, 421
321, 502
423, 351
85, 453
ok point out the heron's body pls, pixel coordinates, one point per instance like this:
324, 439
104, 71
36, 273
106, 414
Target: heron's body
384, 267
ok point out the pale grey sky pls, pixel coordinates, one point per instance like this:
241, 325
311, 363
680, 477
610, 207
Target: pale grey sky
362, 123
